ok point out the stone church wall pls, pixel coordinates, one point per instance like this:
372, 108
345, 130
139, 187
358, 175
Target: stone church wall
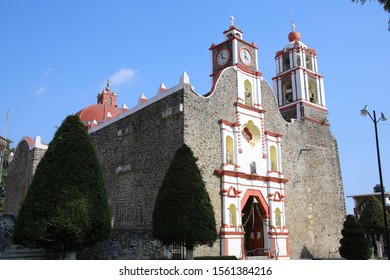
315, 205
202, 133
20, 173
135, 153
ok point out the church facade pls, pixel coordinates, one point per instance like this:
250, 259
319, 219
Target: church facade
267, 156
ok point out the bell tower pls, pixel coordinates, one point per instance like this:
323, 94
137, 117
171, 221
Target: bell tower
233, 51
107, 96
298, 86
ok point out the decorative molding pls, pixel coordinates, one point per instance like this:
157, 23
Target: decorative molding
276, 135
254, 177
316, 121
237, 104
225, 122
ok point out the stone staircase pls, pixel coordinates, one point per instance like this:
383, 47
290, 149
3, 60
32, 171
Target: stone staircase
257, 258
15, 252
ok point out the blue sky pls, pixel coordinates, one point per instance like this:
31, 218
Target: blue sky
56, 56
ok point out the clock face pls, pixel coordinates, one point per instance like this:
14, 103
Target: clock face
223, 57
245, 56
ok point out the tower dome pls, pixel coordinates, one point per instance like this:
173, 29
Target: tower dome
294, 39
294, 36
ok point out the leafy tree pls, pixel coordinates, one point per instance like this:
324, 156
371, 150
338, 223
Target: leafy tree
372, 221
66, 207
384, 3
354, 245
183, 212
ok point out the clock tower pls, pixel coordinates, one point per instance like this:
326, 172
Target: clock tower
252, 180
298, 86
233, 51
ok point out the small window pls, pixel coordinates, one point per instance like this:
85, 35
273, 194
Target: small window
251, 133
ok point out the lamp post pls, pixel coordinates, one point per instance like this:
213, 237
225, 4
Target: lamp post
364, 112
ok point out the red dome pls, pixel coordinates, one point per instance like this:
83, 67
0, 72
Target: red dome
98, 112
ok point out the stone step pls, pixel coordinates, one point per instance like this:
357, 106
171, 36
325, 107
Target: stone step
257, 258
19, 253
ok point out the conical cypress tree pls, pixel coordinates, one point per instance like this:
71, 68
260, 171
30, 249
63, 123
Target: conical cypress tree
66, 207
371, 218
183, 212
354, 245
372, 221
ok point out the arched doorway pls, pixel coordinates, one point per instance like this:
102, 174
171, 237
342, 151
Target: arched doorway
252, 222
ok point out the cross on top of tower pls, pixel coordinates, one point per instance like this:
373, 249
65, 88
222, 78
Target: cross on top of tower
293, 25
294, 35
108, 83
232, 19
